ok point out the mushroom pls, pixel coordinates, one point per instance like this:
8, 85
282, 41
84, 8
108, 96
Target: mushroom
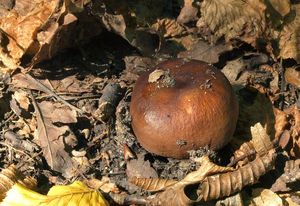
183, 105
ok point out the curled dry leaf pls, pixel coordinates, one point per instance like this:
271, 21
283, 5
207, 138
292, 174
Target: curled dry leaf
259, 144
75, 194
234, 18
289, 40
152, 184
11, 176
209, 182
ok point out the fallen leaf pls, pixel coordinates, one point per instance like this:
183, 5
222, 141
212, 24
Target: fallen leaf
168, 28
75, 194
240, 19
289, 40
104, 185
206, 52
22, 98
265, 197
52, 138
188, 12
283, 7
10, 176
292, 76
140, 168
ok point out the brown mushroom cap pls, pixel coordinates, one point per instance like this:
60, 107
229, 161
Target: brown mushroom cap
188, 104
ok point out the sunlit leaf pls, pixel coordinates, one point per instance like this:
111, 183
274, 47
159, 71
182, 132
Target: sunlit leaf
70, 195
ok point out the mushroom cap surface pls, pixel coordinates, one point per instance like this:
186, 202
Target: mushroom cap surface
189, 104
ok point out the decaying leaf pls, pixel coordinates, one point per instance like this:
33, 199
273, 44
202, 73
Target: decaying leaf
290, 179
234, 18
39, 29
11, 176
259, 144
283, 7
289, 42
22, 98
188, 12
209, 182
104, 185
265, 197
168, 28
292, 76
140, 168
206, 52
74, 194
255, 108
52, 138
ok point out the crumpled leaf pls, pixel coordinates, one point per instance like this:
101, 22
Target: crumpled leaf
168, 28
289, 40
52, 138
75, 194
22, 98
39, 29
265, 197
240, 19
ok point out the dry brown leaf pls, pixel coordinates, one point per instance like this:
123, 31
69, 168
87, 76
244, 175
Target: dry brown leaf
283, 7
168, 28
254, 108
188, 12
19, 29
281, 122
292, 76
201, 185
10, 176
104, 185
52, 138
289, 42
206, 52
22, 98
260, 139
152, 184
265, 197
240, 19
290, 178
39, 29
140, 168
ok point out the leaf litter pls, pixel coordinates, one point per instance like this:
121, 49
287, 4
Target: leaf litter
67, 118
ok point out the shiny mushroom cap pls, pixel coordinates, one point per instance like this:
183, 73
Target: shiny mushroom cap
183, 105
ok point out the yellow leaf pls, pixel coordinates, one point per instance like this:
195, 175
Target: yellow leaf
74, 194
